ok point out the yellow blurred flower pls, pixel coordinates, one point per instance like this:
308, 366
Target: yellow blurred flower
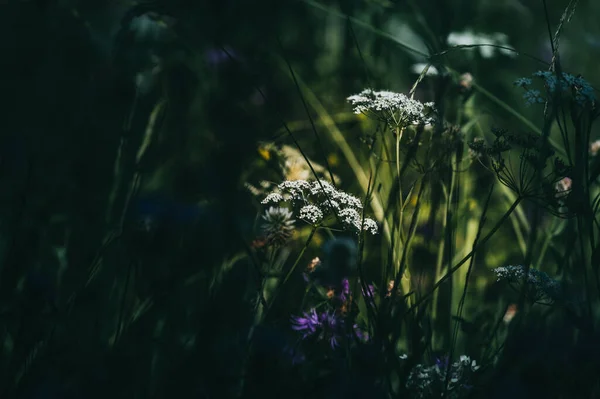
333, 159
472, 204
264, 153
317, 239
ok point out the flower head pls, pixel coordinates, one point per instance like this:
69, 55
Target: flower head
317, 200
311, 214
278, 225
431, 382
323, 326
308, 323
581, 91
328, 326
541, 286
563, 187
395, 109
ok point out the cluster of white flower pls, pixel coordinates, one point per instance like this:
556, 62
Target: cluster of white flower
311, 213
430, 382
542, 286
317, 200
394, 108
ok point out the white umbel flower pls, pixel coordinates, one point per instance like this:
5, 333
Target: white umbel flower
542, 286
311, 214
315, 201
273, 197
394, 108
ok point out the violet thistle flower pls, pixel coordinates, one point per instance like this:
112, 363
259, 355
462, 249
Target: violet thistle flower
307, 324
345, 292
326, 326
332, 326
362, 336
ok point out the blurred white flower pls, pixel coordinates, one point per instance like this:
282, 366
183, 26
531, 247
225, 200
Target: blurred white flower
563, 187
594, 148
469, 38
295, 166
420, 67
273, 197
511, 311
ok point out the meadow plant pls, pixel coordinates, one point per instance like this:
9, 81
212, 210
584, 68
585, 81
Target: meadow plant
395, 109
539, 286
442, 379
317, 202
277, 226
125, 296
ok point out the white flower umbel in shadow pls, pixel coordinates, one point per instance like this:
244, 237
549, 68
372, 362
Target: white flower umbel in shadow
442, 380
395, 109
318, 203
540, 287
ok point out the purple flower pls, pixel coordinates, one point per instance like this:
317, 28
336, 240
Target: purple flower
325, 325
360, 334
442, 362
294, 355
215, 57
345, 294
308, 323
331, 326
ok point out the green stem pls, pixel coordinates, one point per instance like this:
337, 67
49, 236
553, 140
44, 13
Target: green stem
291, 271
469, 255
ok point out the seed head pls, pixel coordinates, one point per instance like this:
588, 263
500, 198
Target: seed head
278, 225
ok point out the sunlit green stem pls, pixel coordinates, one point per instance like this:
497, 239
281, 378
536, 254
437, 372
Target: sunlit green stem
469, 255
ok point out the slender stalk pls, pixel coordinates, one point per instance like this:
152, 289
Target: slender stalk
469, 255
291, 271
